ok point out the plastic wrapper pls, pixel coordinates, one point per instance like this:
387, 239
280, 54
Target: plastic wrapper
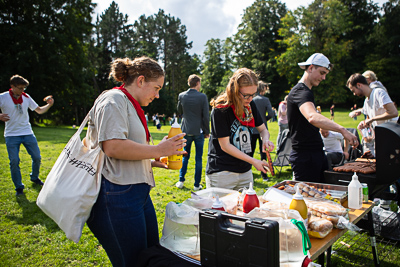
326, 209
308, 191
274, 205
204, 200
319, 227
181, 229
290, 237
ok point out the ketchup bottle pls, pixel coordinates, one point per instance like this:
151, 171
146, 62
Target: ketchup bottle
250, 200
218, 205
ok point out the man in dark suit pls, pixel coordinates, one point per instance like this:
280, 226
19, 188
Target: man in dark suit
193, 105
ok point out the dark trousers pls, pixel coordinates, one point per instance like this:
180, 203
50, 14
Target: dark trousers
333, 158
308, 165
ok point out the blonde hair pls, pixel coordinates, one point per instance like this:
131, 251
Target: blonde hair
241, 78
369, 74
127, 70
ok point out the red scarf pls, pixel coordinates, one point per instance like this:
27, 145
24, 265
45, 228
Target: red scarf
19, 100
138, 108
247, 117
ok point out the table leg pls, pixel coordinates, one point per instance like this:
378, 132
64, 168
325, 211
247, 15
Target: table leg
328, 256
373, 238
321, 259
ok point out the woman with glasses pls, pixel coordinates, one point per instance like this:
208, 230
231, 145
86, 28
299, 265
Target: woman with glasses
229, 151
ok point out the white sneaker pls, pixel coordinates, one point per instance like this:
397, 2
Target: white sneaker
197, 188
179, 184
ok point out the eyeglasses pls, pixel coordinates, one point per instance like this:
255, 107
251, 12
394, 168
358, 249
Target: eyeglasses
248, 96
21, 88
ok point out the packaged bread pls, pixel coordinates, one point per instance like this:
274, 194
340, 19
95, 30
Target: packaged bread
319, 227
326, 209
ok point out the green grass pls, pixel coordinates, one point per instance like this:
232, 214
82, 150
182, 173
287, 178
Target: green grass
29, 238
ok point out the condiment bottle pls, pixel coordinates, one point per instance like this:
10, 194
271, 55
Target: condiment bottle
217, 204
175, 161
355, 193
250, 200
299, 204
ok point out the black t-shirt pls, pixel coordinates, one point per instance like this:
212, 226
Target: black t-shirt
304, 135
225, 124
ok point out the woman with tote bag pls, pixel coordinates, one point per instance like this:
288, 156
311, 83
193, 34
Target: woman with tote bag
123, 218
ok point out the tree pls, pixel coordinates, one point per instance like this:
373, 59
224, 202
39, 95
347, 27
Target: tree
216, 65
255, 43
45, 41
385, 57
363, 15
318, 28
172, 51
112, 39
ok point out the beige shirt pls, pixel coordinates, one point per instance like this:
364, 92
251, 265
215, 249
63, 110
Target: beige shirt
114, 117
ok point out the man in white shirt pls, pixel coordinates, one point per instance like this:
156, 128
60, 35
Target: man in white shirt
333, 147
377, 105
14, 105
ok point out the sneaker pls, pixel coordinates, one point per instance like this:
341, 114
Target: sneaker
179, 184
265, 177
197, 188
19, 192
38, 182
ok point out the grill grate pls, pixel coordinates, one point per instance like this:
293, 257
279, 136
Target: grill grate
354, 249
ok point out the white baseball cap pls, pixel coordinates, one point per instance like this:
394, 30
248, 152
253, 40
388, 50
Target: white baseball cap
317, 59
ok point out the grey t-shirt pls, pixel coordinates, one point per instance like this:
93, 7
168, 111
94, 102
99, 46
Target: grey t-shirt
114, 117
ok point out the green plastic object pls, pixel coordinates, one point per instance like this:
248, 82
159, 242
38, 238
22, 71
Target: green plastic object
305, 239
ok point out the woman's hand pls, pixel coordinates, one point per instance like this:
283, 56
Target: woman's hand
260, 165
171, 146
268, 146
158, 164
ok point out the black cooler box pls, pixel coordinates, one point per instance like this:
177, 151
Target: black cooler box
230, 240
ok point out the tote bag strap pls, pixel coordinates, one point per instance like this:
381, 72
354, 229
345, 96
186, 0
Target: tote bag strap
83, 124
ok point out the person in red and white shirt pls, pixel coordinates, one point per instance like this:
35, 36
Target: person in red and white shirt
14, 105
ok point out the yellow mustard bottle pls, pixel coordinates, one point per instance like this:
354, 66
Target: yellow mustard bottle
299, 204
175, 161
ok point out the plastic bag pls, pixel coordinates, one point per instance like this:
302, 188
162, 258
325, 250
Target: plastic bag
204, 200
308, 191
290, 237
326, 209
181, 229
318, 227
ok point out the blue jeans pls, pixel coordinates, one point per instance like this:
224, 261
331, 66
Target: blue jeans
13, 144
124, 221
198, 143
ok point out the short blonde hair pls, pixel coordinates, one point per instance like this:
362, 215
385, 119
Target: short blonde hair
369, 74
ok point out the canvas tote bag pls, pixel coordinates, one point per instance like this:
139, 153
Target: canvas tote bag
72, 186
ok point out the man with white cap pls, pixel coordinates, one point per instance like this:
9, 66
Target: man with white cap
307, 158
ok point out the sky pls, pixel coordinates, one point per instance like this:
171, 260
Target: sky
204, 19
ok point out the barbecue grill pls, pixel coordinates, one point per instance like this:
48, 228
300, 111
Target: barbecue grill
387, 152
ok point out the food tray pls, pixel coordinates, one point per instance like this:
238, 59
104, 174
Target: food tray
336, 191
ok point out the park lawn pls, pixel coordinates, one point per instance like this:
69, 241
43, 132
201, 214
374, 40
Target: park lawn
29, 238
